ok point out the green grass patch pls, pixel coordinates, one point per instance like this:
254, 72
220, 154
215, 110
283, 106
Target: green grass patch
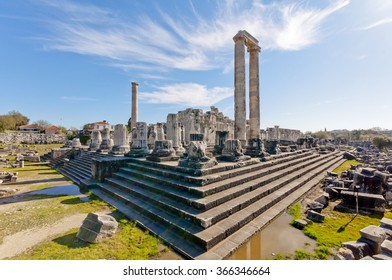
41, 210
323, 252
44, 148
280, 256
303, 255
129, 243
34, 171
346, 166
39, 187
295, 211
339, 227
10, 158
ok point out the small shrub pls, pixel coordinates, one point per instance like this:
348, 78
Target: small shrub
322, 252
302, 255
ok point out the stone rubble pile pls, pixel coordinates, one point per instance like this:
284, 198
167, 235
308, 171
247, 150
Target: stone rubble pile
31, 138
375, 243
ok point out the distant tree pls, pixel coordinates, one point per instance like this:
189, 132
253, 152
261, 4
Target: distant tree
356, 134
62, 128
382, 142
322, 135
42, 124
19, 118
12, 121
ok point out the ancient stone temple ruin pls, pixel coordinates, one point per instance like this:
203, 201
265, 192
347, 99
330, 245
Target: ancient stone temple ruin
188, 180
213, 125
254, 144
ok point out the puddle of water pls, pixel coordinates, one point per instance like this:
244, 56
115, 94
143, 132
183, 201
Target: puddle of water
277, 237
72, 190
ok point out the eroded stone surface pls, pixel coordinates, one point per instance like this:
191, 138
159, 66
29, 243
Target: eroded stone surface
96, 227
373, 233
359, 249
197, 158
344, 254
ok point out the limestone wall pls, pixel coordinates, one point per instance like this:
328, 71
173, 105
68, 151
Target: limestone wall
277, 133
213, 125
31, 138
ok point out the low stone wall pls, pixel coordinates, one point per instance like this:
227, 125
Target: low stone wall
31, 138
104, 167
58, 152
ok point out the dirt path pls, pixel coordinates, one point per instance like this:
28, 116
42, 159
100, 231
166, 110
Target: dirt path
23, 240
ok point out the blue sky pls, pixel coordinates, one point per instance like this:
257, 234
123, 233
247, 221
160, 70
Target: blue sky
324, 64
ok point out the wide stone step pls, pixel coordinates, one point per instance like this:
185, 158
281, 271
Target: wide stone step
207, 238
77, 173
172, 239
259, 186
179, 225
186, 197
225, 204
223, 171
75, 164
253, 191
253, 174
234, 222
76, 178
77, 169
167, 204
179, 170
182, 191
230, 244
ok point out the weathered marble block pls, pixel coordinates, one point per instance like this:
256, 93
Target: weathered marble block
359, 249
373, 233
272, 147
121, 145
315, 216
197, 158
344, 254
163, 151
106, 143
96, 139
96, 227
139, 147
386, 248
76, 143
233, 151
255, 148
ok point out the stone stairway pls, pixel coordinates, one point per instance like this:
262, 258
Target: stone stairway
46, 157
59, 160
196, 213
78, 169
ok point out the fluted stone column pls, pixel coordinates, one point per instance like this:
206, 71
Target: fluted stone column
160, 132
254, 93
134, 113
239, 89
106, 144
120, 136
139, 147
173, 133
96, 140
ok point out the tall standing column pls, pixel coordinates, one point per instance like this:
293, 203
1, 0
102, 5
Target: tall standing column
254, 92
239, 88
134, 113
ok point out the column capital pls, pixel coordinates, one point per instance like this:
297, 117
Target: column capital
134, 84
253, 48
239, 36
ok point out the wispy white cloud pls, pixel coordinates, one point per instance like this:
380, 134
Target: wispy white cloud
78, 98
183, 42
188, 94
378, 23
